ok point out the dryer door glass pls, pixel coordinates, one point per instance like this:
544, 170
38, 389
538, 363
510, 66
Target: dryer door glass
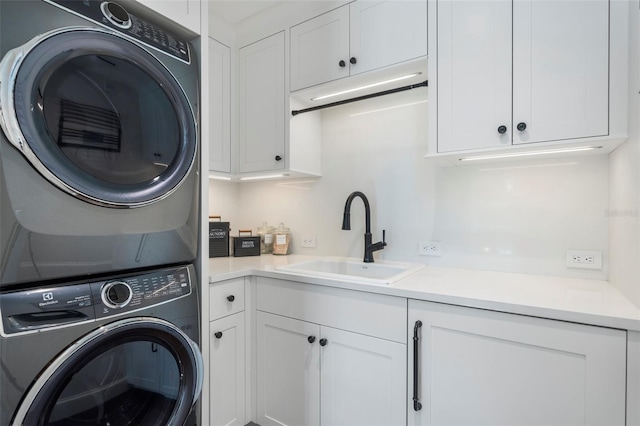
144, 373
104, 119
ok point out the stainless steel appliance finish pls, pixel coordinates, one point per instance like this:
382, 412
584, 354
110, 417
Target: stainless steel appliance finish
99, 142
116, 350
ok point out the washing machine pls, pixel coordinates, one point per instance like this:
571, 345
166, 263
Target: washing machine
120, 350
99, 142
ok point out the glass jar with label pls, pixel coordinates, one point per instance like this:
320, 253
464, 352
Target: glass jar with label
266, 238
282, 240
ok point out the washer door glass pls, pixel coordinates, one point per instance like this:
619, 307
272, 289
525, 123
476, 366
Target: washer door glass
105, 118
135, 372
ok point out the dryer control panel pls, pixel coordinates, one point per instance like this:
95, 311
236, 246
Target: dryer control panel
113, 15
49, 307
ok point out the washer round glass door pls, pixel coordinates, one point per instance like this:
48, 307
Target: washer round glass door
99, 116
136, 371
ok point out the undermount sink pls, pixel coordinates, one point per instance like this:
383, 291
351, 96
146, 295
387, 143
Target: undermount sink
353, 270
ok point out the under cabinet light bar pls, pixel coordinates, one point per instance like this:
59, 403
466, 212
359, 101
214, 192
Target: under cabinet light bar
216, 177
368, 86
263, 177
529, 153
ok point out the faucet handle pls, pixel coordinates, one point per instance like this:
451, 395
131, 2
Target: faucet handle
384, 237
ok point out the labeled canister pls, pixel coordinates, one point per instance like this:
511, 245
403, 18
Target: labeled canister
218, 237
281, 240
265, 232
245, 244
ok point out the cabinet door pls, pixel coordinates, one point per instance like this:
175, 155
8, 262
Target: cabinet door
474, 74
183, 12
288, 371
262, 105
386, 32
363, 380
227, 371
488, 368
317, 47
560, 69
220, 107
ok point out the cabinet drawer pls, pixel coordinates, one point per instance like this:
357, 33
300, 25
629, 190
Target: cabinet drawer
366, 313
226, 298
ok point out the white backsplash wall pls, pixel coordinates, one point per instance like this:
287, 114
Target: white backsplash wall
509, 216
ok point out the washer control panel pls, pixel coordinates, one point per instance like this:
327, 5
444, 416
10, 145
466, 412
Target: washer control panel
49, 307
112, 14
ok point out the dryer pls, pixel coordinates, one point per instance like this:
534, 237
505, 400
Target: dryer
99, 142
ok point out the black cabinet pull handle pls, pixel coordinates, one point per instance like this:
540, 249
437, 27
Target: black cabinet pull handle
311, 339
521, 126
323, 342
218, 334
342, 64
502, 129
353, 60
231, 298
278, 158
417, 406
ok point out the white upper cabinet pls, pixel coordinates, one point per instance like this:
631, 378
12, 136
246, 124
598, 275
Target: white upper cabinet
320, 49
183, 12
386, 32
219, 107
521, 72
474, 74
560, 70
356, 38
262, 105
271, 141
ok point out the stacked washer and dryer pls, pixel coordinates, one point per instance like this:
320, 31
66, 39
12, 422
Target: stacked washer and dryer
99, 200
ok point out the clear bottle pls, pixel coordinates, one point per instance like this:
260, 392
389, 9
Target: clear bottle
282, 240
266, 238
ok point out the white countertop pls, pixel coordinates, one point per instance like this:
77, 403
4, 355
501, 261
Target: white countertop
584, 301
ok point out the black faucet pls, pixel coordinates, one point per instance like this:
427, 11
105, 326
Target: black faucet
369, 247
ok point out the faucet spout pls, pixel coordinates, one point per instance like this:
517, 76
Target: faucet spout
369, 247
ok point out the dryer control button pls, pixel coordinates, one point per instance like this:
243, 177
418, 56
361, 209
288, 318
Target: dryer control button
116, 294
116, 14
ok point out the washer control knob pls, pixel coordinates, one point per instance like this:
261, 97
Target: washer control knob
116, 14
116, 294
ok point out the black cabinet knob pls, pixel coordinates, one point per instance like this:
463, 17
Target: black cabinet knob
521, 126
231, 298
278, 158
342, 64
218, 334
502, 129
323, 342
353, 60
311, 339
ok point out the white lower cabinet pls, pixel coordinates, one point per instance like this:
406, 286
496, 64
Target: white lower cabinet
319, 360
362, 380
477, 367
227, 358
288, 371
316, 375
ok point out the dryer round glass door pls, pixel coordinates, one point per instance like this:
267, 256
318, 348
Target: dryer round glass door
137, 371
98, 116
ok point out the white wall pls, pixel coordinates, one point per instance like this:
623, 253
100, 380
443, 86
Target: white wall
511, 216
624, 184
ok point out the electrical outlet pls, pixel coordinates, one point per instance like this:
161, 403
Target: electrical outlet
429, 248
584, 259
309, 241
